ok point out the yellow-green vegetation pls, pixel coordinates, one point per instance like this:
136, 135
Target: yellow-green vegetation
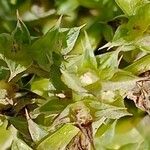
75, 74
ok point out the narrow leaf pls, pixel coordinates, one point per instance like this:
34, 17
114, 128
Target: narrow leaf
60, 139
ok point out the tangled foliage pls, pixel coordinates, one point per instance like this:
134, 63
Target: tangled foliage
74, 74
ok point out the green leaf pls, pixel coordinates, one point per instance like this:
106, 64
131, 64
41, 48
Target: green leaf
112, 113
139, 66
3, 71
92, 107
113, 137
71, 39
139, 23
89, 60
21, 125
72, 81
55, 73
42, 48
60, 139
107, 32
18, 144
107, 137
21, 34
122, 75
5, 136
14, 51
106, 110
13, 67
107, 64
143, 43
129, 7
5, 43
66, 7
36, 132
54, 105
122, 85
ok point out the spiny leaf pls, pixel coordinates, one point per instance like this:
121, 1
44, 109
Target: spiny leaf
88, 60
107, 64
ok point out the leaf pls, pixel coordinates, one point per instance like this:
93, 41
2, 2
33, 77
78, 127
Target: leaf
89, 107
71, 39
72, 81
122, 75
5, 43
66, 7
17, 44
118, 38
14, 51
97, 124
13, 67
19, 144
3, 73
21, 34
54, 105
144, 43
89, 60
55, 73
123, 85
36, 132
55, 142
107, 137
42, 48
129, 7
6, 136
112, 113
107, 64
21, 125
139, 66
107, 32
139, 23
119, 134
105, 110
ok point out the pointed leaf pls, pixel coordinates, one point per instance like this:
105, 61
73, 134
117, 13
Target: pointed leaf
18, 144
89, 60
107, 64
21, 34
71, 39
36, 132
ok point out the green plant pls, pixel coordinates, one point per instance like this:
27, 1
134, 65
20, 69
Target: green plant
59, 90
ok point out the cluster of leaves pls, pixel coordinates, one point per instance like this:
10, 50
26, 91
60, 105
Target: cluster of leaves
59, 91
